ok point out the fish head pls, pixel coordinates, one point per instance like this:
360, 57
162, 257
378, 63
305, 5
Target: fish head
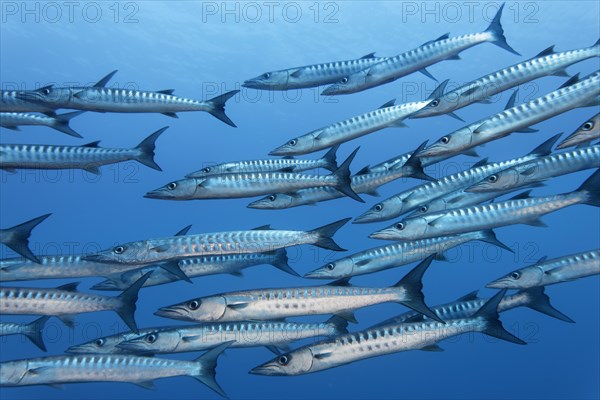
408, 229
436, 205
276, 201
152, 342
126, 253
452, 143
337, 269
438, 106
381, 211
274, 80
348, 84
184, 189
519, 279
50, 96
102, 345
498, 182
210, 170
13, 372
299, 145
296, 362
206, 309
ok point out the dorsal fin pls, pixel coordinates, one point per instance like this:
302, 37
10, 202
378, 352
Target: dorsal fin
545, 148
439, 90
480, 163
522, 195
262, 228
511, 100
363, 171
340, 282
69, 287
572, 80
389, 104
102, 82
541, 260
184, 231
91, 144
297, 73
546, 52
469, 296
444, 36
166, 91
370, 55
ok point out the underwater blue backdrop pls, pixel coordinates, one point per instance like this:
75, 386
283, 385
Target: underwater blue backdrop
203, 49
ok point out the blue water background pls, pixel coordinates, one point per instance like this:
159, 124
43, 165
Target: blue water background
184, 46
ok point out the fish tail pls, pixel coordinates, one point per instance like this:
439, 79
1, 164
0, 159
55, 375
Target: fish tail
344, 181
128, 299
539, 301
325, 234
489, 236
19, 237
33, 332
493, 325
412, 285
591, 189
281, 262
218, 107
61, 123
330, 159
146, 150
495, 28
415, 166
207, 364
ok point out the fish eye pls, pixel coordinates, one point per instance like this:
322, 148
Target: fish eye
445, 139
292, 142
172, 186
46, 91
378, 207
424, 208
100, 342
207, 169
283, 360
267, 75
587, 126
119, 249
330, 266
272, 197
434, 103
151, 338
344, 80
492, 178
194, 304
400, 226
515, 275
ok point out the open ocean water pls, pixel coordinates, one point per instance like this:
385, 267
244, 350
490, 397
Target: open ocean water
203, 49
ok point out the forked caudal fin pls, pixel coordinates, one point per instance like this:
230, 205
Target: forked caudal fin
344, 181
325, 234
281, 262
495, 28
207, 365
330, 158
493, 325
128, 299
17, 237
591, 187
33, 332
146, 150
61, 123
539, 301
218, 107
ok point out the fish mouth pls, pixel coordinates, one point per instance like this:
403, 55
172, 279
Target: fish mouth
332, 90
78, 349
498, 284
105, 285
173, 312
157, 194
477, 189
280, 151
270, 368
134, 345
364, 219
319, 273
257, 204
253, 84
384, 234
27, 96
101, 258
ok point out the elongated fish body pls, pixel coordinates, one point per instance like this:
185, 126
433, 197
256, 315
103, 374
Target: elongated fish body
260, 240
13, 120
390, 256
108, 368
10, 103
243, 334
488, 216
311, 75
582, 93
195, 267
546, 63
586, 133
32, 330
339, 132
550, 166
109, 344
548, 272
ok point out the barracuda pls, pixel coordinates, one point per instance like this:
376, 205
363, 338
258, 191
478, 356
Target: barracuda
109, 368
440, 49
32, 331
587, 132
376, 342
481, 217
17, 237
396, 255
547, 62
549, 272
260, 240
268, 304
464, 307
195, 267
239, 185
270, 165
13, 120
311, 75
273, 335
87, 157
412, 198
573, 94
543, 168
66, 301
102, 99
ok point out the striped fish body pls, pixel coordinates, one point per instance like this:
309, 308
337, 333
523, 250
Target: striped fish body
401, 160
9, 328
10, 103
108, 344
15, 119
264, 166
458, 199
587, 132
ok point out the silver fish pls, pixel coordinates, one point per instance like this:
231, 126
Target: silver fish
429, 53
543, 168
260, 240
587, 132
87, 157
108, 344
573, 94
548, 272
547, 62
17, 237
195, 267
410, 199
267, 304
311, 75
32, 330
375, 342
397, 254
270, 165
109, 368
273, 335
481, 217
239, 185
66, 301
13, 120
